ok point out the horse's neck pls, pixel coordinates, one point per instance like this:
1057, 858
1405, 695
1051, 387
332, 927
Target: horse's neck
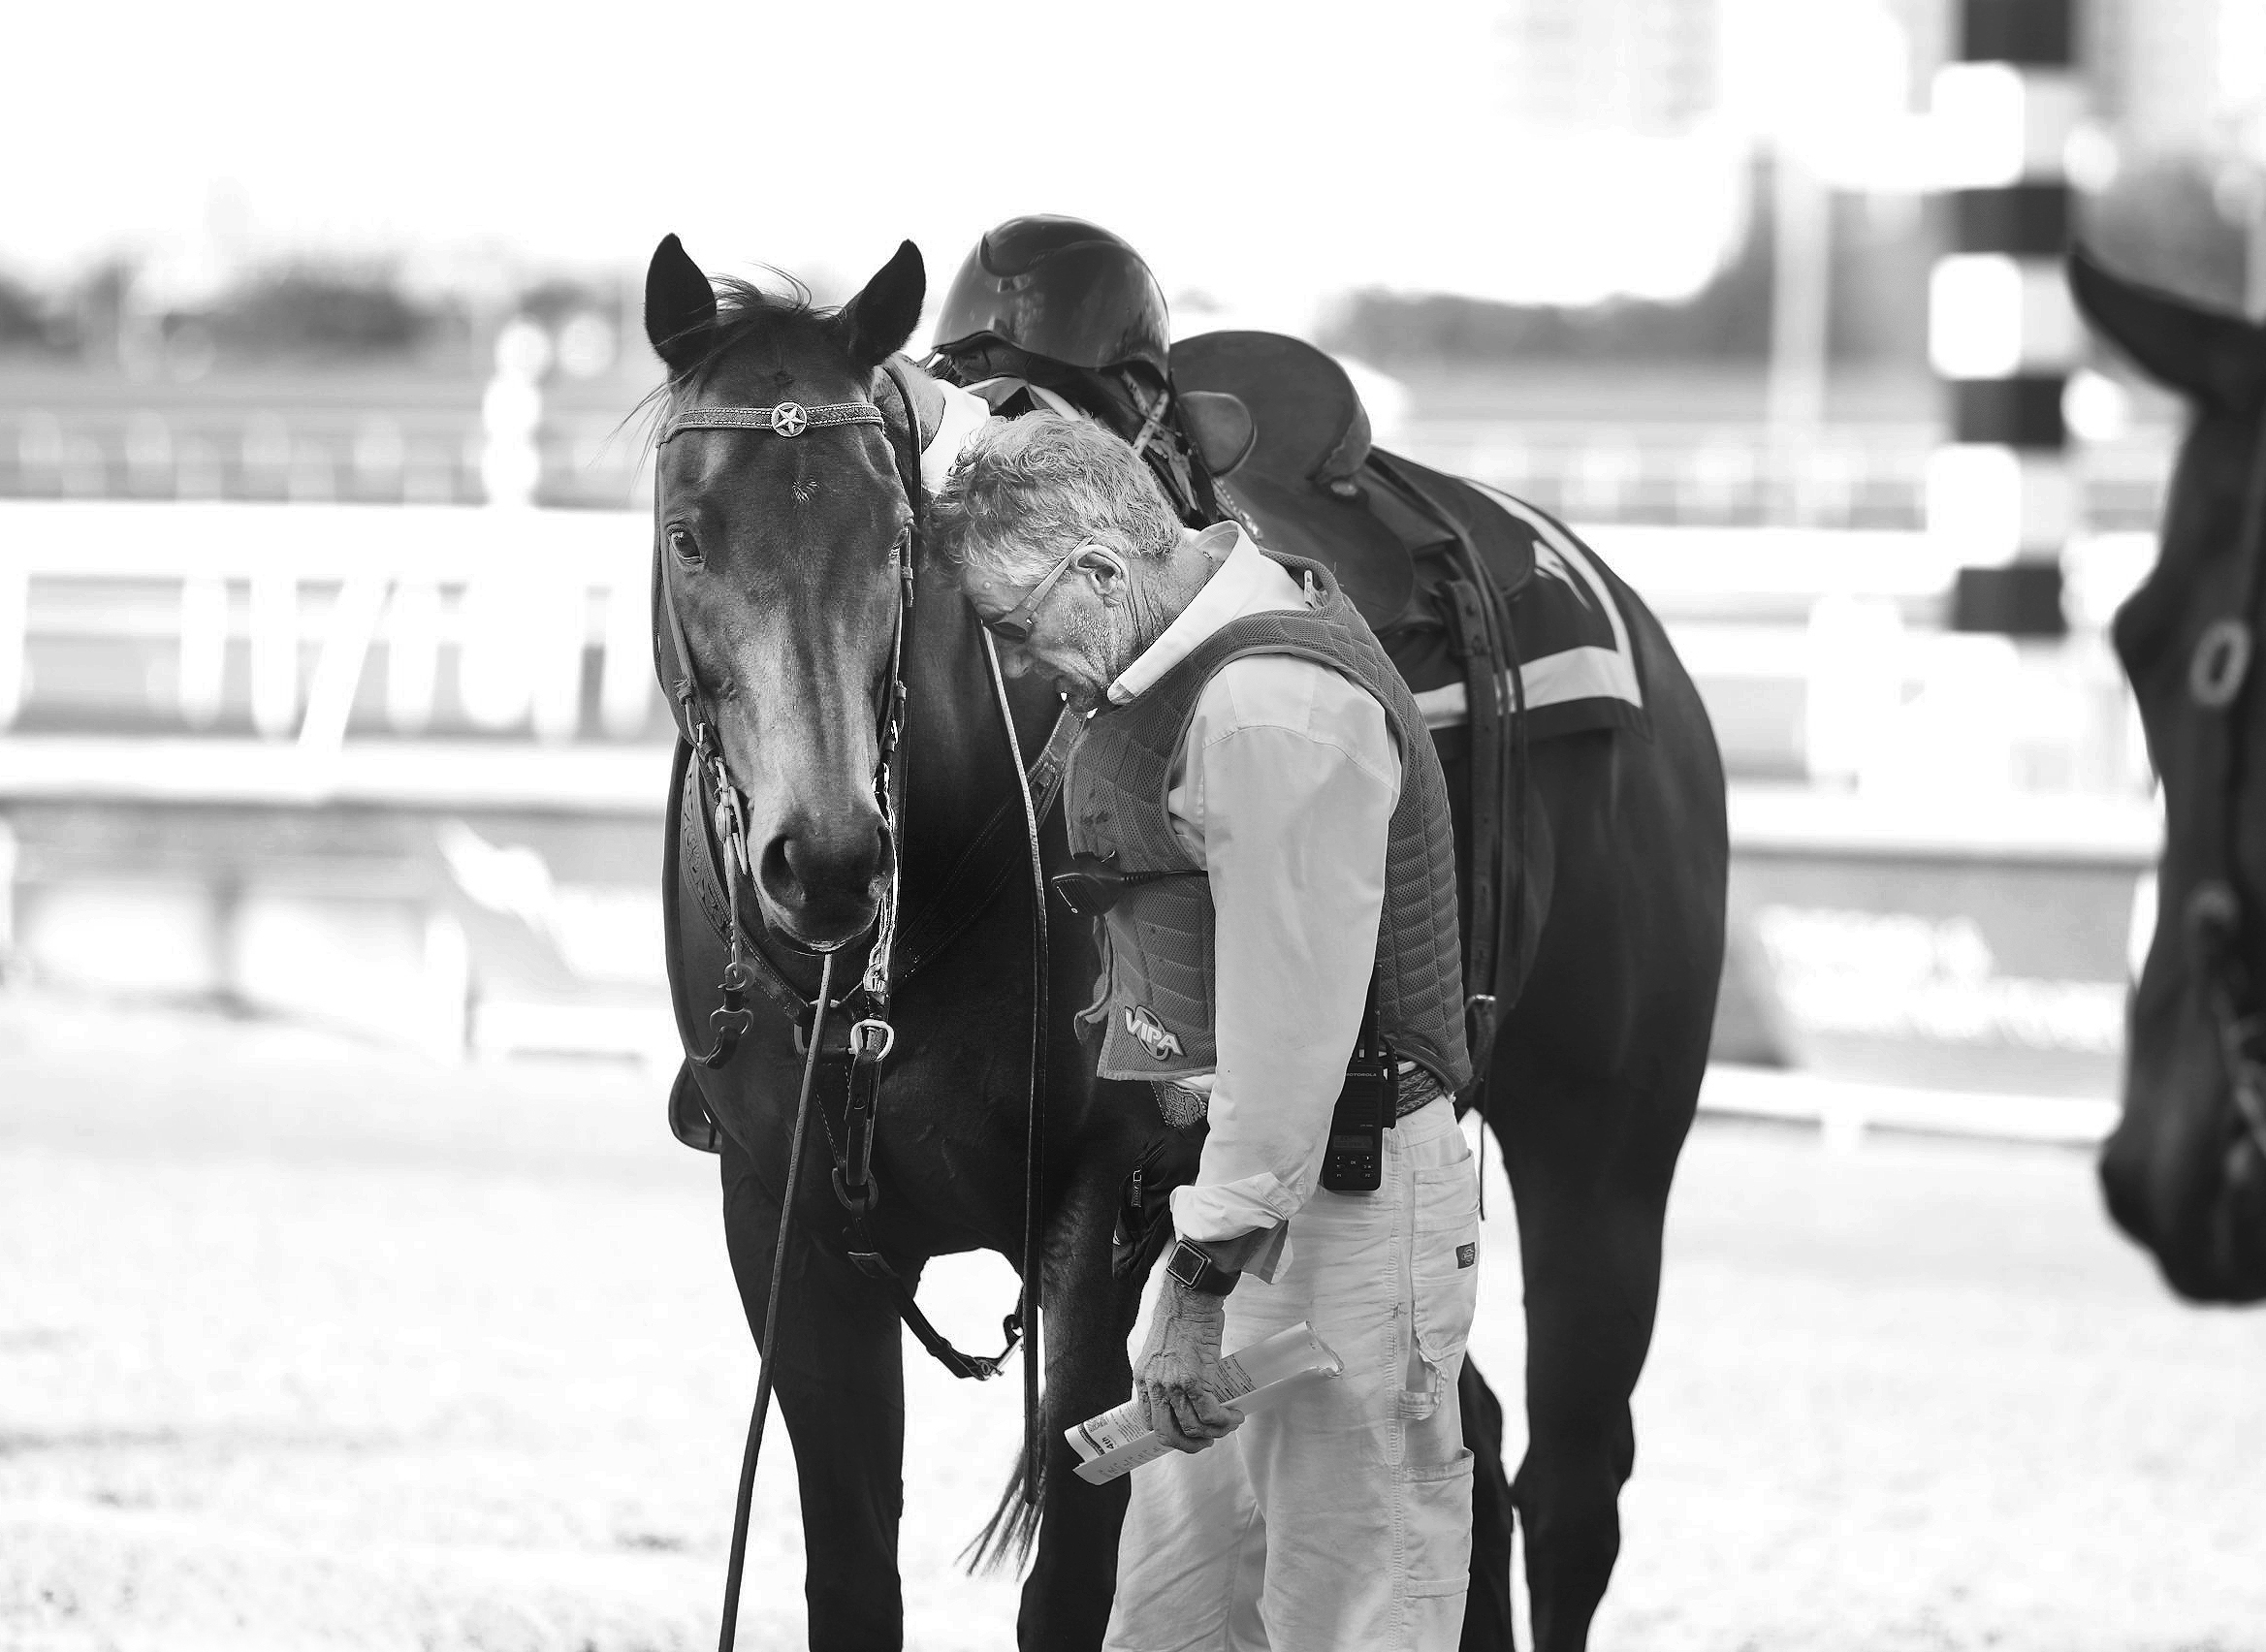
958, 770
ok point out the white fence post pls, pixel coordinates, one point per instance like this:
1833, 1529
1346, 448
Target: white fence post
275, 652
626, 685
412, 654
330, 700
204, 648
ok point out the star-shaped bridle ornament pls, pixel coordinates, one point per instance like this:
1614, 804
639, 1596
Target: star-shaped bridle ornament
789, 419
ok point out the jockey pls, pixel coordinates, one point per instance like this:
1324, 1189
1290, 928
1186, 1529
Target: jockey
1056, 314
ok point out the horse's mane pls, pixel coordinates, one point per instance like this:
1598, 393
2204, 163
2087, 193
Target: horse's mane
743, 309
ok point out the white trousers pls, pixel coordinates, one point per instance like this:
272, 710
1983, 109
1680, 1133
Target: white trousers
1340, 1518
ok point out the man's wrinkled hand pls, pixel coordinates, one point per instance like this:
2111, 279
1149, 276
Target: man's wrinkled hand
1174, 1379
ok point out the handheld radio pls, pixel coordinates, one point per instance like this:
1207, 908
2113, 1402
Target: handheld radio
1365, 1108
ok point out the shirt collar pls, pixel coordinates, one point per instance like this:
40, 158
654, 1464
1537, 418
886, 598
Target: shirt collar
964, 414
1247, 581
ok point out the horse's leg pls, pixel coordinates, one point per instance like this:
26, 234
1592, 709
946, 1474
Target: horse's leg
1089, 1317
1487, 1619
1597, 1076
839, 1373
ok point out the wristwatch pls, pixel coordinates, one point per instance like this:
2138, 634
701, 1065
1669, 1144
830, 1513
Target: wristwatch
1193, 1266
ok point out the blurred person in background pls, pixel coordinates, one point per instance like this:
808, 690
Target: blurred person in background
1257, 810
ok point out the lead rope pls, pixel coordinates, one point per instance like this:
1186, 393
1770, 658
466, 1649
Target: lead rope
737, 1564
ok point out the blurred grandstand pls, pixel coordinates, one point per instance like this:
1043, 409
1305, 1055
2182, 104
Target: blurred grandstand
1673, 446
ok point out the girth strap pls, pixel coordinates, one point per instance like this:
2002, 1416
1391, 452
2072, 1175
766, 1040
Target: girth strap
1482, 694
1480, 624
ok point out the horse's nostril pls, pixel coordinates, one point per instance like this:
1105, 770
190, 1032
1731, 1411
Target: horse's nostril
798, 865
775, 870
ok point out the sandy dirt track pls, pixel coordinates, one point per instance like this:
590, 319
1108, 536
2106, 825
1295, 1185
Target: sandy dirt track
309, 1344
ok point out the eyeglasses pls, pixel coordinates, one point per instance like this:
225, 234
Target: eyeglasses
1015, 623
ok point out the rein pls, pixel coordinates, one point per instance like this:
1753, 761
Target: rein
871, 1038
2219, 677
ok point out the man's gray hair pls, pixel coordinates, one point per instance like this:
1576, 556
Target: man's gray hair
1024, 491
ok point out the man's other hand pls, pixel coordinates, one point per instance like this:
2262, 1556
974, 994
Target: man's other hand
1173, 1378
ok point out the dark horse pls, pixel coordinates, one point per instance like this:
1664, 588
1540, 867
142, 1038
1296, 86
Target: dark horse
782, 557
2184, 1170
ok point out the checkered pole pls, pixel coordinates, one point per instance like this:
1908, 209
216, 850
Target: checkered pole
2002, 333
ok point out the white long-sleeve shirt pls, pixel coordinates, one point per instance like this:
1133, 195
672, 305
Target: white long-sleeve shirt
1283, 791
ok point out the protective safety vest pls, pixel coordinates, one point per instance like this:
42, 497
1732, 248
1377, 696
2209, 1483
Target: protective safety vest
1159, 993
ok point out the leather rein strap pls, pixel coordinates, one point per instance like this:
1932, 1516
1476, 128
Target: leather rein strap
2221, 679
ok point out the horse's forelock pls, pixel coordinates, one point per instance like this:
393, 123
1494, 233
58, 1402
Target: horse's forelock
747, 311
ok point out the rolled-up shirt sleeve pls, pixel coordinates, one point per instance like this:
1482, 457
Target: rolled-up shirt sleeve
1294, 820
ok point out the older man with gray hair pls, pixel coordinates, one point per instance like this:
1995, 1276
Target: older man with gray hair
1264, 827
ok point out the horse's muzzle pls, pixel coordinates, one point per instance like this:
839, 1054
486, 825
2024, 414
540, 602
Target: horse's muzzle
824, 890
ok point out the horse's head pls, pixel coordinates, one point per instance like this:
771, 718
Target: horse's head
781, 549
2183, 1172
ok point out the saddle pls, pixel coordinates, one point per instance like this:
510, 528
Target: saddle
1431, 564
1301, 474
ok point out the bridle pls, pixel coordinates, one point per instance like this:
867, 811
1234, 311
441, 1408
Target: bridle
745, 966
2219, 680
871, 1037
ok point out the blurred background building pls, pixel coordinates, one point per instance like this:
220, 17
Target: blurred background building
323, 629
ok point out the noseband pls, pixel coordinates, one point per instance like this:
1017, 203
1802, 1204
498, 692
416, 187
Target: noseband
2220, 679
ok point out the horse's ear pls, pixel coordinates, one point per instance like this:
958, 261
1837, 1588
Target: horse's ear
2218, 359
876, 323
680, 305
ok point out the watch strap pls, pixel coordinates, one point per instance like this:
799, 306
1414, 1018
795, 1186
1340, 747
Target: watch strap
1192, 1267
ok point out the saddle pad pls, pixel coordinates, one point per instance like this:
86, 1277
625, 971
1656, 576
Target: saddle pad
1576, 658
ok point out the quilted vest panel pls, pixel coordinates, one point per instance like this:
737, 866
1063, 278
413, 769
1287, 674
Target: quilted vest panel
1159, 992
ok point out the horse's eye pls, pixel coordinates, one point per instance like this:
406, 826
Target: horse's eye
685, 548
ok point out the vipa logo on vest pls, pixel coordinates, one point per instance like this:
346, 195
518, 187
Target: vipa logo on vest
1143, 1022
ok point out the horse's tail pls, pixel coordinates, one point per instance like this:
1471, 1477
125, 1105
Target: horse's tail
1013, 1526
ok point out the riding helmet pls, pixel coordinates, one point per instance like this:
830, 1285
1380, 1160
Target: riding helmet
1061, 289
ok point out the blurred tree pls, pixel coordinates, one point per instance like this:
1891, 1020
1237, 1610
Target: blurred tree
2164, 222
97, 309
1729, 318
313, 310
1881, 252
553, 301
1883, 249
25, 323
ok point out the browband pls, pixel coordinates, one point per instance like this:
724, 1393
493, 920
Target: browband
788, 419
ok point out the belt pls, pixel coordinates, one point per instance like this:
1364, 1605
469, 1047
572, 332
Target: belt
1418, 1087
